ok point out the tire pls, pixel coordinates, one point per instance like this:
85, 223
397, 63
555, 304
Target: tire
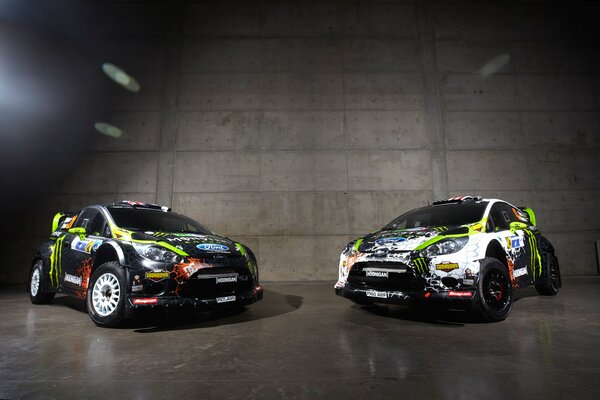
494, 296
549, 283
36, 285
106, 295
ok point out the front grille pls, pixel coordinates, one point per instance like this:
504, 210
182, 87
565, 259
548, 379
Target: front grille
399, 277
203, 284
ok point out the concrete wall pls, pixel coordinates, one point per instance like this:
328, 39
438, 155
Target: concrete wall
296, 126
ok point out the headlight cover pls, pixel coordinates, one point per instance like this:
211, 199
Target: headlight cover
156, 253
444, 246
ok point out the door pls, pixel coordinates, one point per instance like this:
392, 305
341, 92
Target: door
79, 250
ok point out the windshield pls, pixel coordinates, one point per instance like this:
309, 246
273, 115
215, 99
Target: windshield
155, 221
440, 215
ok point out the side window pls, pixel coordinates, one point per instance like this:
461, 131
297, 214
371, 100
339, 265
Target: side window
508, 213
85, 218
96, 226
92, 220
500, 218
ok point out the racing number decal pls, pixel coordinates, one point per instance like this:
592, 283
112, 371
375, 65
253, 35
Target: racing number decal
55, 261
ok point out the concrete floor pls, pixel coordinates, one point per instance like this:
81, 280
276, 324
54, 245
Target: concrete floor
303, 342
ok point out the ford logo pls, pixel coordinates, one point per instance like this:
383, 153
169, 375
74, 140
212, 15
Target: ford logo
381, 252
212, 247
390, 240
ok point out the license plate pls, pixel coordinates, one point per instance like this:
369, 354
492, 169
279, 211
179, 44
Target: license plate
377, 293
376, 274
225, 299
226, 279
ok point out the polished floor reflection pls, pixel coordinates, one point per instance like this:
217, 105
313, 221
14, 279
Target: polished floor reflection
303, 342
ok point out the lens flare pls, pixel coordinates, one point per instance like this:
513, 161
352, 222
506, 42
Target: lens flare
121, 77
109, 130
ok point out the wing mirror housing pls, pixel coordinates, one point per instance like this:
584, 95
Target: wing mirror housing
57, 220
78, 231
515, 226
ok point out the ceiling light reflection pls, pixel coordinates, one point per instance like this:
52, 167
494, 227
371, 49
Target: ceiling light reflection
494, 65
121, 77
109, 130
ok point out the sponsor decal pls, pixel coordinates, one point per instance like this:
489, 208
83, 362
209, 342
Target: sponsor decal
219, 248
453, 293
56, 261
519, 272
468, 281
75, 280
157, 275
446, 266
226, 279
376, 293
421, 265
145, 301
85, 245
137, 288
225, 299
376, 274
514, 242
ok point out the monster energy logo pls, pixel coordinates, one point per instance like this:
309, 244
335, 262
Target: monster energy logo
535, 262
421, 265
55, 261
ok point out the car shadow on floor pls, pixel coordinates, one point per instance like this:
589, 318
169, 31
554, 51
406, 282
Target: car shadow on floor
272, 305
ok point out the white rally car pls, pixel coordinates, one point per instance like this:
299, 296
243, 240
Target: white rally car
461, 253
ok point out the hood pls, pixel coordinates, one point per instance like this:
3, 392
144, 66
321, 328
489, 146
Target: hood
196, 245
398, 240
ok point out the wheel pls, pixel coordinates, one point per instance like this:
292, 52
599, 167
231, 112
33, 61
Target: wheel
106, 293
36, 285
494, 297
549, 283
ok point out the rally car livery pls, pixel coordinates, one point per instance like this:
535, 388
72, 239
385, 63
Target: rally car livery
465, 253
130, 256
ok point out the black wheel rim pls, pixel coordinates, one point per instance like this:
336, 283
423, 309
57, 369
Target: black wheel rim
495, 290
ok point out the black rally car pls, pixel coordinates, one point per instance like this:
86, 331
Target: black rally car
132, 256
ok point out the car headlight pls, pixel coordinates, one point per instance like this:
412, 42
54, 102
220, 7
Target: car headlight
445, 246
156, 253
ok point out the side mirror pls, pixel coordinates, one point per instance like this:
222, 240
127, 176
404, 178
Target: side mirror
56, 220
78, 231
515, 226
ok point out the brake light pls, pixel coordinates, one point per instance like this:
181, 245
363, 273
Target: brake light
453, 293
145, 301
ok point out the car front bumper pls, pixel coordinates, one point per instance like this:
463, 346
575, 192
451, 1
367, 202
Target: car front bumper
461, 300
140, 303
